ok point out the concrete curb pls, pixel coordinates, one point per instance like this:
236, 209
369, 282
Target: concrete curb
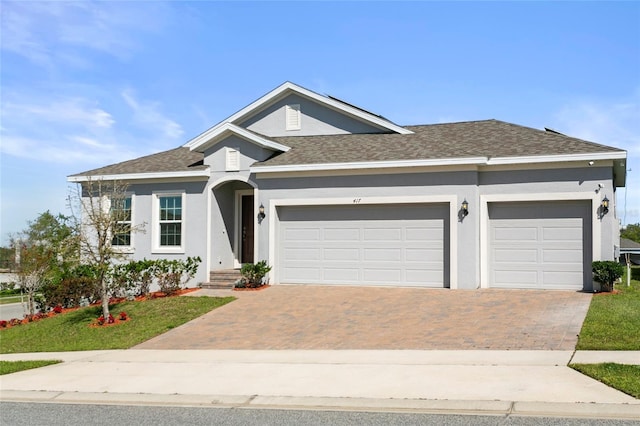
461, 407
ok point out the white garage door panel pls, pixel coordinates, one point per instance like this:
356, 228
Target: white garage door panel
539, 244
567, 255
367, 244
505, 278
516, 255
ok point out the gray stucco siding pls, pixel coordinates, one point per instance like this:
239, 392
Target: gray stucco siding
224, 223
391, 188
194, 222
215, 157
580, 182
316, 119
458, 185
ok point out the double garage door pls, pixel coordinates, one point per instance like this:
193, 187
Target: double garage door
387, 245
543, 245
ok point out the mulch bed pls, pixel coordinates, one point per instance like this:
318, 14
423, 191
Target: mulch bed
262, 287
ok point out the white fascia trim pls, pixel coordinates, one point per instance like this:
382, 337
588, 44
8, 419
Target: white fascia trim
481, 161
368, 165
452, 200
140, 176
485, 199
346, 108
219, 133
558, 158
290, 87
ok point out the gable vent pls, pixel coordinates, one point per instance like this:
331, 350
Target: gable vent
233, 160
293, 117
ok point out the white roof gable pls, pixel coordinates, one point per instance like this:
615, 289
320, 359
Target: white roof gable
220, 132
285, 90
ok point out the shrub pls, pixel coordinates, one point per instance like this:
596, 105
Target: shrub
71, 291
172, 274
254, 273
134, 277
606, 272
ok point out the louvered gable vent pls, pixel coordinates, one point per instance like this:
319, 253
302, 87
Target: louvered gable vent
293, 117
233, 160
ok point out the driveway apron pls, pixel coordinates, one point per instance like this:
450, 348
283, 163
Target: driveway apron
331, 317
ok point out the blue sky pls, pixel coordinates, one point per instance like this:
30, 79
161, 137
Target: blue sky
86, 84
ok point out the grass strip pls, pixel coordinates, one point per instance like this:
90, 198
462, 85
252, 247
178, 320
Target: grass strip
625, 378
5, 300
8, 367
71, 331
613, 320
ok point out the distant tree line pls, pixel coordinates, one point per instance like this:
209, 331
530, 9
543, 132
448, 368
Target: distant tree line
631, 232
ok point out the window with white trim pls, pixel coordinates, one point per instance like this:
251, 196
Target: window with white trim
293, 117
168, 222
121, 209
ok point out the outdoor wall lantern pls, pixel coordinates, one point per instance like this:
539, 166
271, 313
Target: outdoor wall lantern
605, 205
465, 208
261, 214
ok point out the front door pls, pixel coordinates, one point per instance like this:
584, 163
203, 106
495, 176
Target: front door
246, 237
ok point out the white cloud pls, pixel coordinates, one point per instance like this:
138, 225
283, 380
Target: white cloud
66, 130
47, 33
75, 111
614, 123
609, 123
148, 115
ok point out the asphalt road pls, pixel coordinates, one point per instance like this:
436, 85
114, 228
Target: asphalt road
11, 310
29, 414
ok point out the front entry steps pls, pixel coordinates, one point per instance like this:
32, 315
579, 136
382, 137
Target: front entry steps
222, 279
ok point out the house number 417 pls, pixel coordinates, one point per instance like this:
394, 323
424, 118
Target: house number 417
357, 200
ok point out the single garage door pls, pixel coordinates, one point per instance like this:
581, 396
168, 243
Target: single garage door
543, 245
386, 245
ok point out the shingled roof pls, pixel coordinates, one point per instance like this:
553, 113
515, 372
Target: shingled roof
488, 138
175, 160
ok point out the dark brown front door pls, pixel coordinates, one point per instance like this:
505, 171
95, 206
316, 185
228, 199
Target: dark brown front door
246, 243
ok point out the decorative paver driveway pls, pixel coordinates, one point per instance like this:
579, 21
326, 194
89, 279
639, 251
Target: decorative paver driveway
325, 317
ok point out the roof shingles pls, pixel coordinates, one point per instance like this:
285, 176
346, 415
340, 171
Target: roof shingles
488, 138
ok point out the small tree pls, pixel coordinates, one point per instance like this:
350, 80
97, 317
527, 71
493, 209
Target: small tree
98, 208
47, 247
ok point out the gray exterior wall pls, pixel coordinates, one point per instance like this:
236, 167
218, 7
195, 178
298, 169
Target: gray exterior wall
460, 184
316, 120
194, 222
470, 185
215, 157
566, 180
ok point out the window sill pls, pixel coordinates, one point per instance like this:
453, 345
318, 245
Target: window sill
168, 250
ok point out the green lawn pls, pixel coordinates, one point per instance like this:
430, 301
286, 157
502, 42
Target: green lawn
8, 367
10, 299
613, 320
625, 378
613, 323
71, 331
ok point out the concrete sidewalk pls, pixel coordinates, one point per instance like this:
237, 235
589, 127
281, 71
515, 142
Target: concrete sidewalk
489, 382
